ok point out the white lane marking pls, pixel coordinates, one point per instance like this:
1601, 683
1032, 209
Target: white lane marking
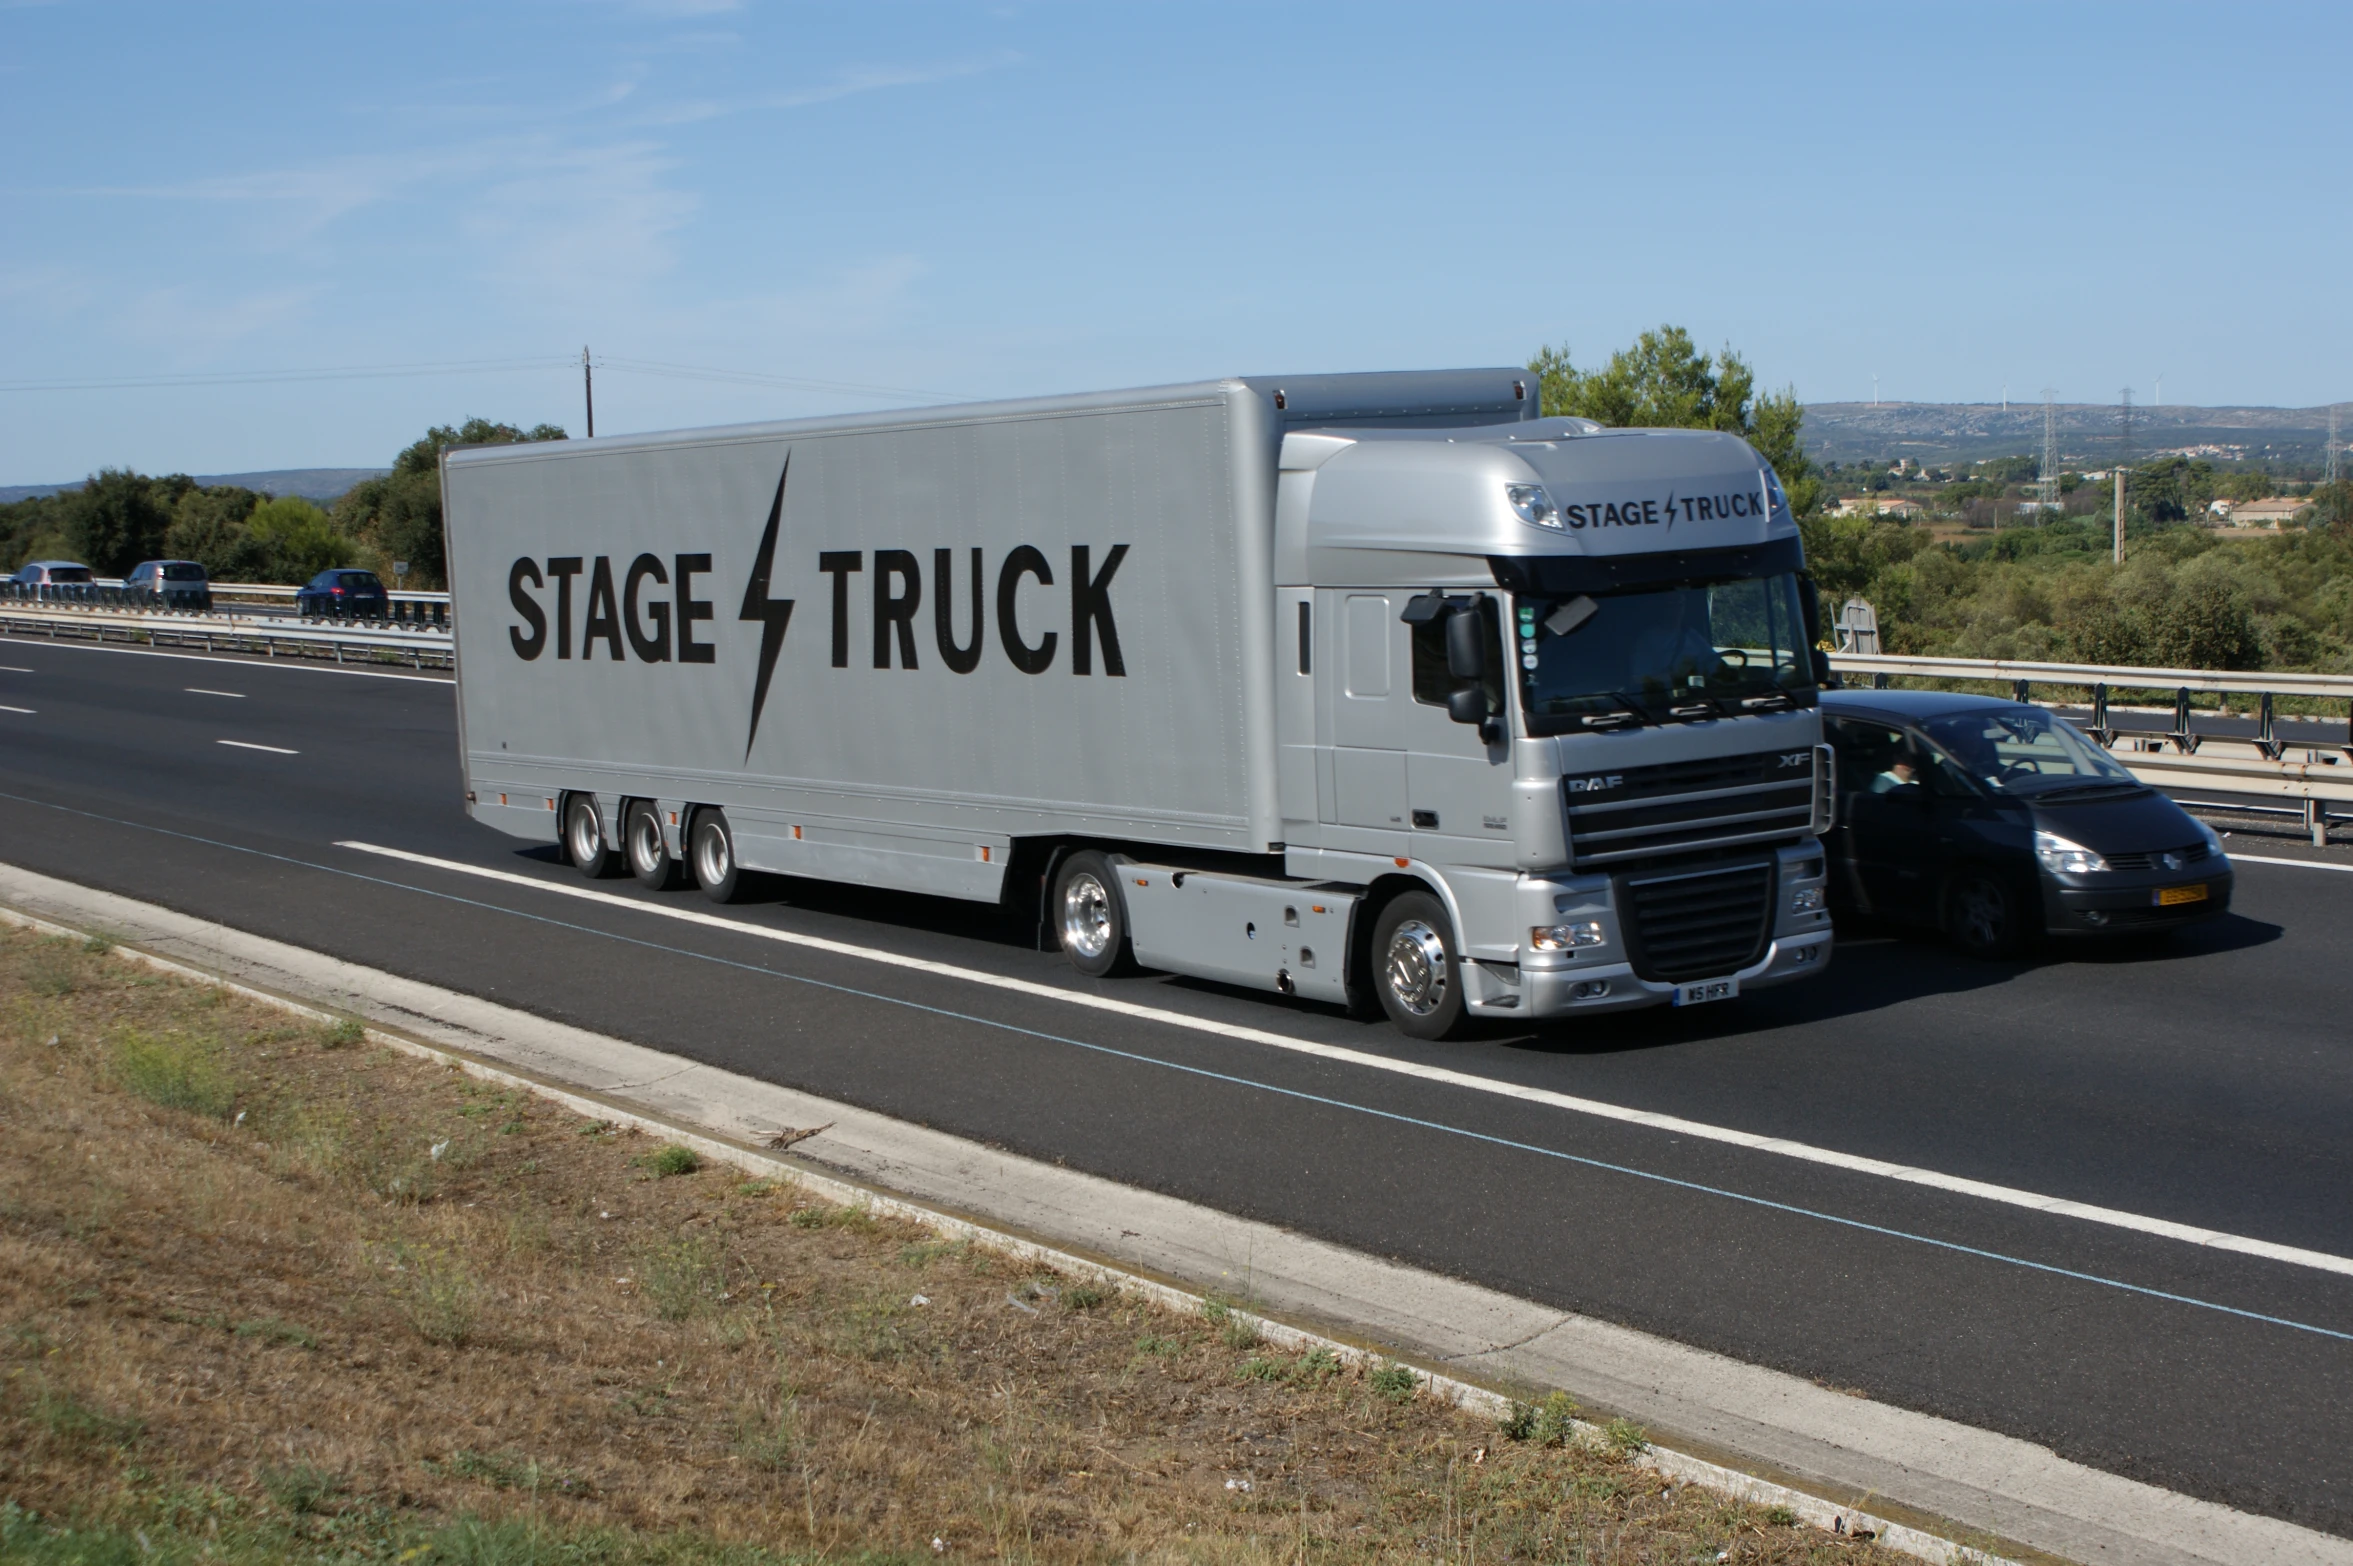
10, 668
251, 663
275, 750
2008, 1195
198, 690
2301, 864
27, 711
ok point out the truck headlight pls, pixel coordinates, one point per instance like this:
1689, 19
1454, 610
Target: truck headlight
1565, 937
2061, 857
1805, 899
1533, 506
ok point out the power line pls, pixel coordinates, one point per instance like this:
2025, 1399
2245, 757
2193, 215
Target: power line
759, 378
655, 367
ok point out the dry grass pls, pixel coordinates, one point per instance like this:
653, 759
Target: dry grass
267, 1294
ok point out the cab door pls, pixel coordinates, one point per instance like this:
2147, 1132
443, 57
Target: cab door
1458, 786
1368, 739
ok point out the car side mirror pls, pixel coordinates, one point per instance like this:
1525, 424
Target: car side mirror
1466, 646
1825, 678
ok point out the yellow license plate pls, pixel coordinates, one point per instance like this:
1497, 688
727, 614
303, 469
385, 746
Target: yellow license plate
2174, 896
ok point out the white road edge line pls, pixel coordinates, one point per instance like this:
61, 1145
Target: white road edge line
2057, 1207
27, 711
198, 690
275, 750
2301, 864
10, 668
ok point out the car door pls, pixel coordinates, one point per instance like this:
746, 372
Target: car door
1897, 840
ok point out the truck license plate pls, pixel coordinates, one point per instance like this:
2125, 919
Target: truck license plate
2171, 896
1700, 991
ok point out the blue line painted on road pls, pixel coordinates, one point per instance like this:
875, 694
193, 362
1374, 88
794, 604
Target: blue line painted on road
1768, 1203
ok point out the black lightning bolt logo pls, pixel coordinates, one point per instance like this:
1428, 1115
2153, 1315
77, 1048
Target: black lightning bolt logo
773, 614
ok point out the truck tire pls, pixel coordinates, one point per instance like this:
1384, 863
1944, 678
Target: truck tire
711, 852
1984, 914
1415, 970
1089, 917
584, 838
648, 850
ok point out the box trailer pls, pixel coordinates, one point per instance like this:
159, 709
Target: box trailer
1375, 689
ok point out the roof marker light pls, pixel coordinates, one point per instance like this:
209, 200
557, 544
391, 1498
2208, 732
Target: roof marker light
1533, 506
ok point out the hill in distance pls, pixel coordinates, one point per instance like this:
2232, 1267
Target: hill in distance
1945, 433
319, 484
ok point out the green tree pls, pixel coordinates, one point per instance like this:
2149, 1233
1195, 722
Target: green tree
119, 518
1664, 382
292, 540
398, 517
208, 527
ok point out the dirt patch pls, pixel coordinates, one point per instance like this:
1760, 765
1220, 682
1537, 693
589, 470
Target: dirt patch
267, 1291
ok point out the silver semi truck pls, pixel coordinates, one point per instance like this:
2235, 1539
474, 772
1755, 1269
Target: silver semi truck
1374, 689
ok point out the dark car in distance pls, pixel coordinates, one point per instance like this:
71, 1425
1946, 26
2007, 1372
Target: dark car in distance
1997, 823
344, 593
180, 584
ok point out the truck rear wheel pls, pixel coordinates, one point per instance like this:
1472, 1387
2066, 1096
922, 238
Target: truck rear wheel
1416, 971
649, 851
1089, 916
712, 848
585, 843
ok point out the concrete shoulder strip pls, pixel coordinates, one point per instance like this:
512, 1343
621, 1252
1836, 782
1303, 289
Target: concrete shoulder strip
1747, 1430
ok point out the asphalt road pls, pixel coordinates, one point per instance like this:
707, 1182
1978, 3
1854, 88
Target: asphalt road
2210, 1085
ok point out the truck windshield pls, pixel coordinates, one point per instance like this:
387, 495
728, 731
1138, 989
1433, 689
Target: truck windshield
1676, 652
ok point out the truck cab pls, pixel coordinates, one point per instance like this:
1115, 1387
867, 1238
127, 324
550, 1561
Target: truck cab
1549, 701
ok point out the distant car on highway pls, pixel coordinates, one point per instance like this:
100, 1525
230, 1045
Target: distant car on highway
344, 593
181, 584
53, 573
1997, 822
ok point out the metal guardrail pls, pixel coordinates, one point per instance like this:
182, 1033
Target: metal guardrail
419, 646
2325, 775
269, 591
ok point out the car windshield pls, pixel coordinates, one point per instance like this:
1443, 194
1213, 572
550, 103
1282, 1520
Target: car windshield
2025, 750
1657, 654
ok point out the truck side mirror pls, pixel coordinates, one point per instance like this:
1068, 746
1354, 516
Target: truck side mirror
1825, 678
1468, 705
1466, 648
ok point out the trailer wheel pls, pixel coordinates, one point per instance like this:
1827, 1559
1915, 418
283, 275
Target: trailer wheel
1089, 916
649, 852
1416, 971
584, 838
712, 847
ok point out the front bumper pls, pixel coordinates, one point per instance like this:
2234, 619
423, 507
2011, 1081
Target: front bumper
1557, 992
2099, 905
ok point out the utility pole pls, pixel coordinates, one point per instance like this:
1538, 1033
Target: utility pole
2047, 497
2123, 456
588, 390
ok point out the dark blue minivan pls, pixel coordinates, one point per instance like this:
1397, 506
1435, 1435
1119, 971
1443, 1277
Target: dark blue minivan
1998, 822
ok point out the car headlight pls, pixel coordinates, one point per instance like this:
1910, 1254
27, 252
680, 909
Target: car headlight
2061, 857
1533, 506
1565, 937
2212, 837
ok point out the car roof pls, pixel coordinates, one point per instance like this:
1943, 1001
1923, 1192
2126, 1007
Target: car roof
1908, 706
52, 564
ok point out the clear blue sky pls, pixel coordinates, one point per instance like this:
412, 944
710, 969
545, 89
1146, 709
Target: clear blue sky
1010, 199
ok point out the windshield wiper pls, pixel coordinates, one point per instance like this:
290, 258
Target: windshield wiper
1611, 720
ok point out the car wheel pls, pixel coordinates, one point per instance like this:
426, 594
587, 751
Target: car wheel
1416, 969
584, 838
649, 851
1984, 916
711, 855
1090, 917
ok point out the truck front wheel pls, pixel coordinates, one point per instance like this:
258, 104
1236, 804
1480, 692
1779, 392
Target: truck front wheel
1090, 919
1417, 972
585, 843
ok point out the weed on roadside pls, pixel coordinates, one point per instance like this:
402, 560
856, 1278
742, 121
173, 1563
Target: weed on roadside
173, 1074
301, 1488
1395, 1382
681, 1275
438, 1295
673, 1160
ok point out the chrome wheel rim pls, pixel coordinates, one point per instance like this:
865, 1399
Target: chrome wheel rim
711, 859
587, 834
1086, 916
1416, 968
646, 848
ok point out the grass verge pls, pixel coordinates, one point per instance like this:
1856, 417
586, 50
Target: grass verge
269, 1294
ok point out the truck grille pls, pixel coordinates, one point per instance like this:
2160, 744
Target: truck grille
1697, 924
1689, 806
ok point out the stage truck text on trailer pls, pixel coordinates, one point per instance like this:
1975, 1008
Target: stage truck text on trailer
1373, 689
